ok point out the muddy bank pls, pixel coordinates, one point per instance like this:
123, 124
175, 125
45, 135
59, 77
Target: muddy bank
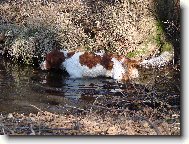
114, 122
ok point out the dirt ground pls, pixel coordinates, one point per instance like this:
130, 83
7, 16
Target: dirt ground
100, 121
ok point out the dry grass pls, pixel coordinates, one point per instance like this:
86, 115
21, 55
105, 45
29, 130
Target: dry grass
117, 26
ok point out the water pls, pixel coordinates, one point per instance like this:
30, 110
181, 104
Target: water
25, 89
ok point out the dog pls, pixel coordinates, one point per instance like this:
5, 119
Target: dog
90, 64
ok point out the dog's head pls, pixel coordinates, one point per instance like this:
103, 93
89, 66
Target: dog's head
53, 60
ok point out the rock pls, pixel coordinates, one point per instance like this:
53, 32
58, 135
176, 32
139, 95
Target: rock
145, 125
159, 61
9, 116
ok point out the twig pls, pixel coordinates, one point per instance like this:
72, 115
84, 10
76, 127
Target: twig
40, 111
3, 130
94, 102
73, 107
111, 109
66, 129
36, 107
32, 131
45, 129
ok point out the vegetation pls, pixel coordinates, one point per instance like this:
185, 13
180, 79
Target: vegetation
137, 53
121, 27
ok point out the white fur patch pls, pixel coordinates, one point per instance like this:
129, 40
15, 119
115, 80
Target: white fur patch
76, 70
118, 70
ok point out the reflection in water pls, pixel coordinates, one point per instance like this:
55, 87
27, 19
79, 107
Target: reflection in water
56, 83
23, 86
6, 86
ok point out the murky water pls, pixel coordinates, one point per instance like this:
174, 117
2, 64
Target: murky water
25, 89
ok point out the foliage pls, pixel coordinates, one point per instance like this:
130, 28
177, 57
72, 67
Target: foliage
117, 26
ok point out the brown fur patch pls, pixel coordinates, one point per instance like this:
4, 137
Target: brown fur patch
54, 59
118, 57
130, 64
89, 59
125, 77
70, 54
107, 62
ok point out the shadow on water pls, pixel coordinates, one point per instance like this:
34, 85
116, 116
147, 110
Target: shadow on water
24, 88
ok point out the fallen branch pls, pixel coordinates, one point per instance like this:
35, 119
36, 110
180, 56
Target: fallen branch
111, 109
73, 107
45, 129
36, 107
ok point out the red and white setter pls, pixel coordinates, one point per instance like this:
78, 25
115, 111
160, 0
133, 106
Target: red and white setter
90, 64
